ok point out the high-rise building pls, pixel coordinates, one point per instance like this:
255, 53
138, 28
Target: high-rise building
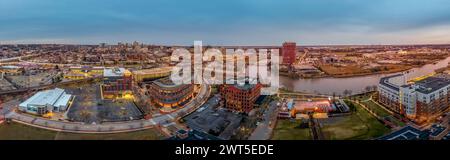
289, 52
117, 83
240, 97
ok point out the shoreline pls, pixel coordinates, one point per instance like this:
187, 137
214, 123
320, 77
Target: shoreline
364, 74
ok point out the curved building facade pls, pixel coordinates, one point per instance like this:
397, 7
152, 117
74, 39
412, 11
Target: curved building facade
169, 96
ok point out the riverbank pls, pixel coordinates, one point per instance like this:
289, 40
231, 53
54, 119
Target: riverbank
356, 70
337, 73
357, 84
349, 71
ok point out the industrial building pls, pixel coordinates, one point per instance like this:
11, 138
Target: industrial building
241, 97
117, 83
55, 100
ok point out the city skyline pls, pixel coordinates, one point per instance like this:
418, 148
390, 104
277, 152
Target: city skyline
323, 22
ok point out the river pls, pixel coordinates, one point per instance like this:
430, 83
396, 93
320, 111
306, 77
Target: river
358, 84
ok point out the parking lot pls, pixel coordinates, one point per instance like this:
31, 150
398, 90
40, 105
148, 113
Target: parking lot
32, 80
216, 121
5, 85
88, 107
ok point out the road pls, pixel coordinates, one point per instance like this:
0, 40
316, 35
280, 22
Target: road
110, 127
264, 130
7, 107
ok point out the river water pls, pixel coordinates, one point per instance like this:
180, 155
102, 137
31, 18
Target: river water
331, 85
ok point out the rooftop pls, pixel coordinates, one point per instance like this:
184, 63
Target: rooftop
406, 133
437, 129
248, 85
154, 70
165, 82
115, 72
386, 81
55, 96
431, 84
194, 135
10, 67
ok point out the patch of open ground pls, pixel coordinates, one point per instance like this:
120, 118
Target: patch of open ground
291, 130
358, 126
358, 70
16, 131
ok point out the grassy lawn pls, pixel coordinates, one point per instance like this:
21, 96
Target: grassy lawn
358, 126
361, 97
288, 130
376, 108
16, 131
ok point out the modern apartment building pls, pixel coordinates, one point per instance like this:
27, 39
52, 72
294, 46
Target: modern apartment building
420, 101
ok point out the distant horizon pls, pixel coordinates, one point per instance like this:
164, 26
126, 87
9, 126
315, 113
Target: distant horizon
227, 45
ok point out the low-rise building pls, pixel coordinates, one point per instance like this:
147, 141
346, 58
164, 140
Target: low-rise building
82, 72
406, 133
151, 74
11, 70
55, 100
323, 106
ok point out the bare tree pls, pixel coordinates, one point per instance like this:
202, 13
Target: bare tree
368, 88
374, 88
346, 92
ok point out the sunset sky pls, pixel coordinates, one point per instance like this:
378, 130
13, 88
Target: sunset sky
227, 22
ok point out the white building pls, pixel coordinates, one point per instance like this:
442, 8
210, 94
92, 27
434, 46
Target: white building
56, 100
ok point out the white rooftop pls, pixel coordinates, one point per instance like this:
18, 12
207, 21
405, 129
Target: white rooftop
48, 97
113, 72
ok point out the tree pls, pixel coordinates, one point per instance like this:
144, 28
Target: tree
346, 92
374, 88
368, 88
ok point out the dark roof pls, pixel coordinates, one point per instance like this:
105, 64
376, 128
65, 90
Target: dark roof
196, 135
406, 133
260, 99
385, 81
431, 84
436, 130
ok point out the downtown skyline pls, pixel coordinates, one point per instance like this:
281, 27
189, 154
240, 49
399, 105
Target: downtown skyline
323, 22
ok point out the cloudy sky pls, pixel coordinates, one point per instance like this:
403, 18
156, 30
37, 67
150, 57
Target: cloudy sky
225, 22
